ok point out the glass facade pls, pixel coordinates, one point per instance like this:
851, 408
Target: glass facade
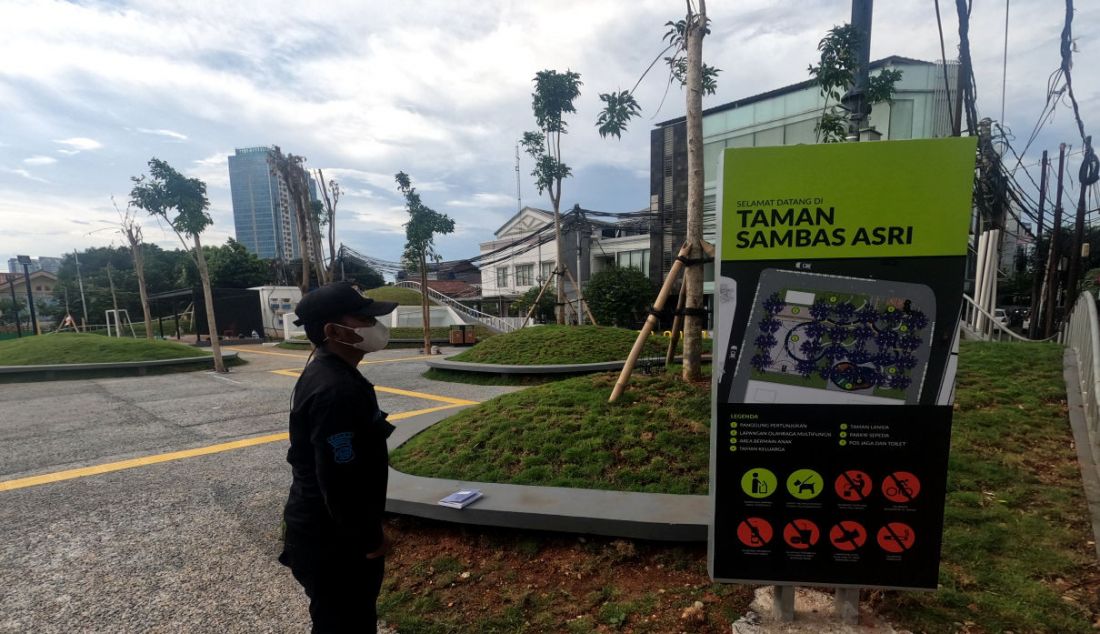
262, 216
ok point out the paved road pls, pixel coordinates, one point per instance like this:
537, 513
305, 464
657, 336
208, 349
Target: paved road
186, 544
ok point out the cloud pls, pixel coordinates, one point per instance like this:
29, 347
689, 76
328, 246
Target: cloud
78, 144
39, 160
481, 200
172, 134
24, 173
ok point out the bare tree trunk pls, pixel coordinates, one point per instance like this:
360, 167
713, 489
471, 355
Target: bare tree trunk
294, 184
559, 266
139, 269
425, 311
208, 295
693, 276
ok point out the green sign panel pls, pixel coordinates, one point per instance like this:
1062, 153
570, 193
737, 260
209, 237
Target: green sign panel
896, 199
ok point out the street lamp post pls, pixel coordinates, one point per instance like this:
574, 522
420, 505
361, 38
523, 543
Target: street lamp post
25, 260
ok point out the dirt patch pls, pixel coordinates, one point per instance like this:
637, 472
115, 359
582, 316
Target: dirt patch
449, 578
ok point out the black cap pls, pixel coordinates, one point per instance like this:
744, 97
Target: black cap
336, 300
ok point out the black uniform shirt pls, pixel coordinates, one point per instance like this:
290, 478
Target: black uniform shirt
339, 457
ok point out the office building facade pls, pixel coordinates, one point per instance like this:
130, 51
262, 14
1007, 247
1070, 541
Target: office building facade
263, 217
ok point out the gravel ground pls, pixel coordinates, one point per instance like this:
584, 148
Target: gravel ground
187, 545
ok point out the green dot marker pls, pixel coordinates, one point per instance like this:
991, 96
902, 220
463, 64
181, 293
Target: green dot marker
733, 447
893, 370
733, 435
843, 443
833, 299
796, 310
904, 328
889, 309
844, 425
733, 424
843, 434
794, 337
758, 483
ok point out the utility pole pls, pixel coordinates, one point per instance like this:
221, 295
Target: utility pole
80, 281
15, 306
1037, 274
855, 100
25, 260
519, 194
1052, 264
1076, 256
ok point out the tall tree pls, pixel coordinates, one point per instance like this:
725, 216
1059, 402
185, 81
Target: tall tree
835, 73
181, 202
131, 230
553, 98
685, 62
290, 169
420, 231
330, 194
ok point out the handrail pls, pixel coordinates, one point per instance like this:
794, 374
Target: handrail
496, 323
989, 329
1083, 336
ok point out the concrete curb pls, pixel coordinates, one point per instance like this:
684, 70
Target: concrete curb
559, 368
651, 516
140, 366
1090, 471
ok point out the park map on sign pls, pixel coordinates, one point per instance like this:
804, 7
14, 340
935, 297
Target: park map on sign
851, 344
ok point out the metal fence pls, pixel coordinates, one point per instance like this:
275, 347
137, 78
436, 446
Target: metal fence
1083, 336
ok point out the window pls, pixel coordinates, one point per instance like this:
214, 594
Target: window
634, 259
525, 274
546, 269
502, 276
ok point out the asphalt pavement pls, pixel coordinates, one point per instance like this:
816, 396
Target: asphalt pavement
180, 530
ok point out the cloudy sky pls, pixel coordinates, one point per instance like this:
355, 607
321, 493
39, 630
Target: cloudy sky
441, 90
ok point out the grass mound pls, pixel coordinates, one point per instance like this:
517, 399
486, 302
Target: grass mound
88, 348
403, 296
656, 438
545, 345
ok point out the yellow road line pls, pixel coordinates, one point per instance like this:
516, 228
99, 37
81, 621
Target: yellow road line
428, 397
274, 354
108, 467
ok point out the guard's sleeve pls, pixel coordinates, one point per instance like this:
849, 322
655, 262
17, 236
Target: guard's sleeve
351, 460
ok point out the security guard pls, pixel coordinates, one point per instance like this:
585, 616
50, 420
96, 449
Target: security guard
334, 544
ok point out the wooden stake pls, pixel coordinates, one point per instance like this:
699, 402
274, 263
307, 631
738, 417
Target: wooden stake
677, 323
650, 323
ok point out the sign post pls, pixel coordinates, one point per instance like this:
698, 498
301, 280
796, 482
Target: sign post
839, 288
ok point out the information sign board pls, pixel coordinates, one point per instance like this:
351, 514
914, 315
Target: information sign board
839, 287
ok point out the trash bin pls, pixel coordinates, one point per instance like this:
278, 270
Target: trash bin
457, 336
471, 335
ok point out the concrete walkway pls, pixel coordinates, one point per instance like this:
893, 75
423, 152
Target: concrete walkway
652, 516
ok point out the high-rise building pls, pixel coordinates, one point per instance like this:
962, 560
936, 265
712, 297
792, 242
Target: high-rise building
41, 263
262, 214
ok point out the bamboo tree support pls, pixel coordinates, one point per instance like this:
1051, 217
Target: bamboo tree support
673, 273
535, 305
650, 322
580, 298
677, 324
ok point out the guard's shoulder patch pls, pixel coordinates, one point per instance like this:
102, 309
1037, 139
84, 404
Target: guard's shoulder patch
342, 451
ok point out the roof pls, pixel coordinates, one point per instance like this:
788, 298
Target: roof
454, 288
893, 60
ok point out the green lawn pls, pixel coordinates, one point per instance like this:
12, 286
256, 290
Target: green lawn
1016, 556
566, 434
545, 345
88, 348
403, 296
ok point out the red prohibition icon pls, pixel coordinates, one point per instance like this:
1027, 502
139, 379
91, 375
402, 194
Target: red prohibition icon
853, 485
754, 532
848, 535
901, 487
896, 537
801, 534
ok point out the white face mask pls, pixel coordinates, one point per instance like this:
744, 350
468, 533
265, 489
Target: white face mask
374, 337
